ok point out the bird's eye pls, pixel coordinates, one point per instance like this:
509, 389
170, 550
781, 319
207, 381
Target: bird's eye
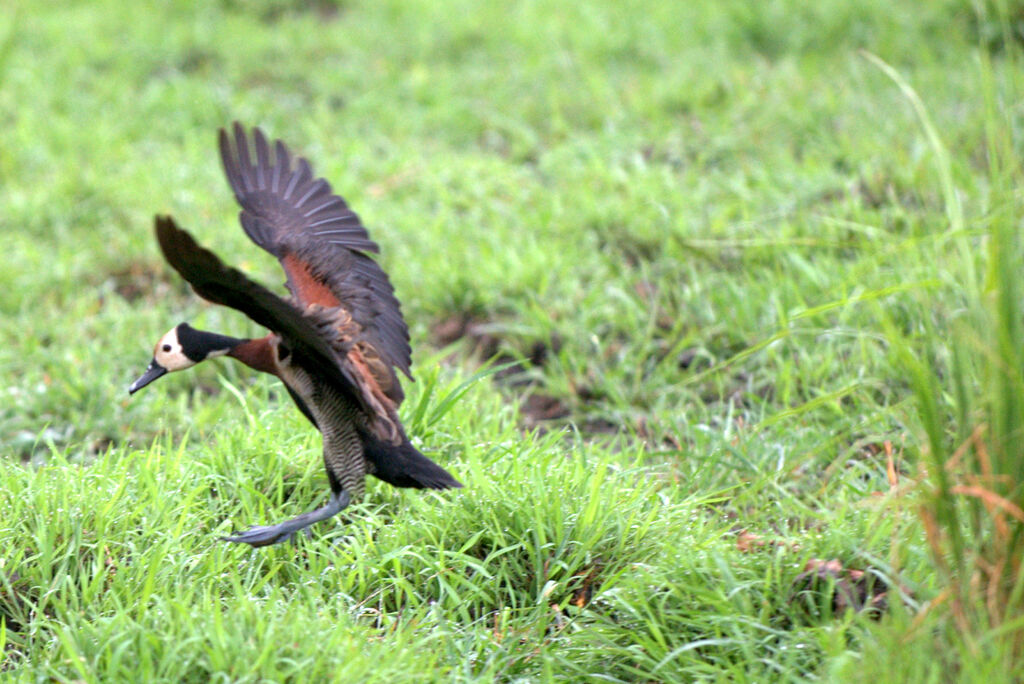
166, 347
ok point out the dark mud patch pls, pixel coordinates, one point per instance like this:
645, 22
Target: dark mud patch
18, 600
462, 326
538, 408
139, 281
633, 249
694, 358
274, 11
827, 589
486, 342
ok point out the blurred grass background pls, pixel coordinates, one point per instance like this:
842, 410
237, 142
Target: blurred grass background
749, 257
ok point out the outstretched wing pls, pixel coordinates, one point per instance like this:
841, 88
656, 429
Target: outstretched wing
302, 332
280, 198
320, 243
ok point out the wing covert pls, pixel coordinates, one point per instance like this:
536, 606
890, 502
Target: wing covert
320, 243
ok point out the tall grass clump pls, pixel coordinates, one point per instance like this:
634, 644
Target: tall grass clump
967, 375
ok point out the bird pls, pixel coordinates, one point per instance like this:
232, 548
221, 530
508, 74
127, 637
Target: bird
337, 343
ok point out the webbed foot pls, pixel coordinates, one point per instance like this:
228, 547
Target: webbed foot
265, 535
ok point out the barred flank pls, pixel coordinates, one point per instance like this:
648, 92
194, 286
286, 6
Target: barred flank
343, 447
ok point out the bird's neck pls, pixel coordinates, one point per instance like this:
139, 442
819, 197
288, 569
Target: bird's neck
257, 354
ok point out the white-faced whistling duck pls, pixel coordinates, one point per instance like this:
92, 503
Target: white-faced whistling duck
335, 343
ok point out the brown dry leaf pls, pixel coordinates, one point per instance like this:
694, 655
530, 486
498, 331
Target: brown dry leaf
585, 592
748, 541
890, 467
990, 499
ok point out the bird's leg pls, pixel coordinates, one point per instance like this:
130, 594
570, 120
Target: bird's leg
264, 535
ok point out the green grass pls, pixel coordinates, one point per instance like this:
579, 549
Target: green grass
700, 225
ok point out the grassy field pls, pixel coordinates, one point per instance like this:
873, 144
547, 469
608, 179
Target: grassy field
694, 229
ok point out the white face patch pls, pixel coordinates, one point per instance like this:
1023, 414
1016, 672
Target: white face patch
168, 352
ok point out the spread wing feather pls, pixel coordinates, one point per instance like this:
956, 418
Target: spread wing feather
290, 213
214, 281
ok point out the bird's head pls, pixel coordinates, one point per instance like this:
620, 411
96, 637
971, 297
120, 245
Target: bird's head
183, 347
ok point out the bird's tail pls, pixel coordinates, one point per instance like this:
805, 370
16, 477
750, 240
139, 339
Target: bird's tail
404, 466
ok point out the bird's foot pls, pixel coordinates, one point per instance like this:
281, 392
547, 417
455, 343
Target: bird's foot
265, 535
